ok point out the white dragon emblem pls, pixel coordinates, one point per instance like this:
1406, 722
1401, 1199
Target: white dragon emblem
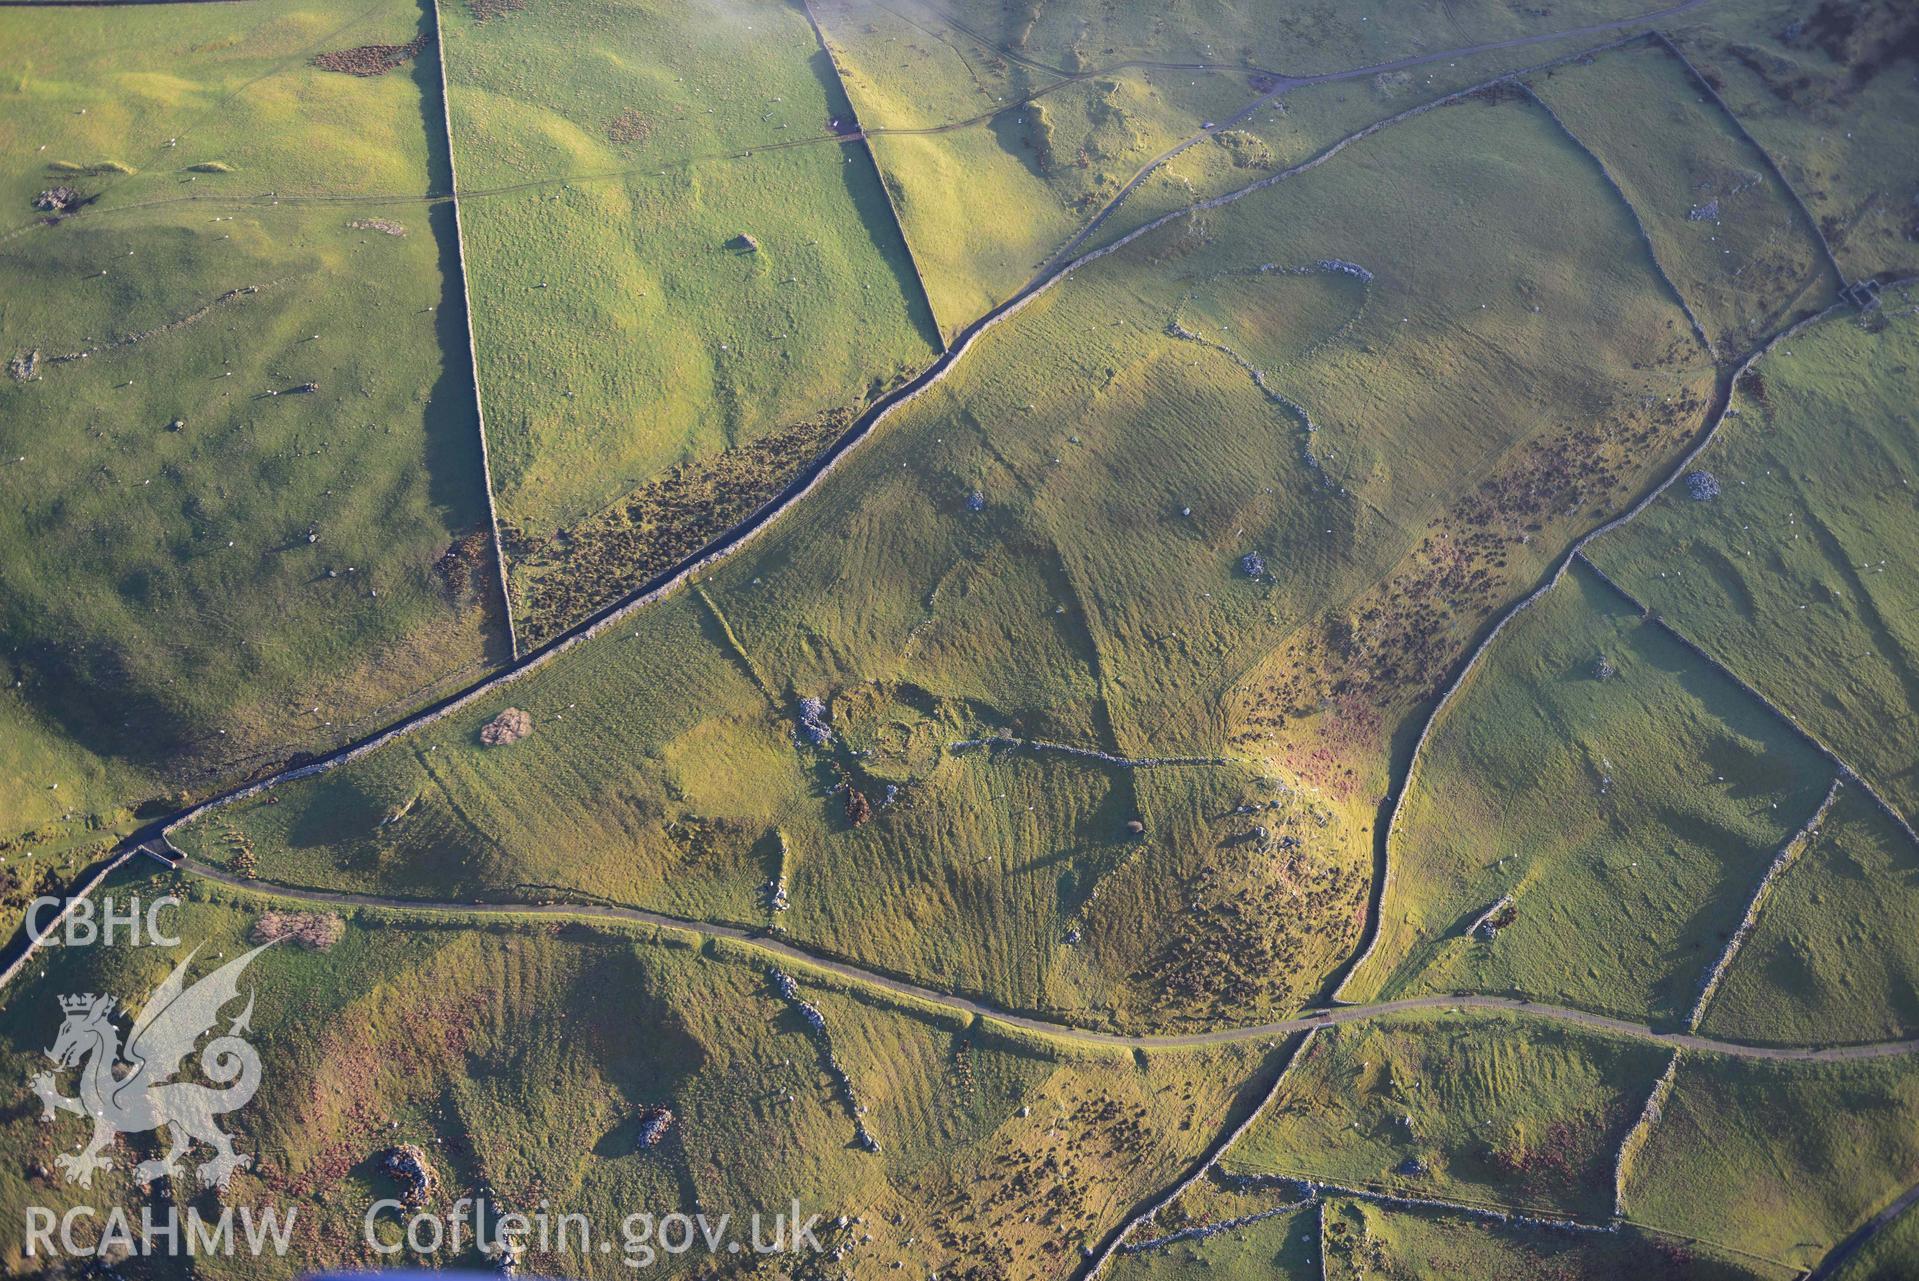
133, 1091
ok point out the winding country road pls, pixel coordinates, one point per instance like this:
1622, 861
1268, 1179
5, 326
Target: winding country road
780, 949
151, 840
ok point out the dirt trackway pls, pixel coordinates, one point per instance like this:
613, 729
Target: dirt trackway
615, 612
780, 949
1288, 83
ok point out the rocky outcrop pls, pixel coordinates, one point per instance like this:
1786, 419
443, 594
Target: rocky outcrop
407, 1165
654, 1123
509, 726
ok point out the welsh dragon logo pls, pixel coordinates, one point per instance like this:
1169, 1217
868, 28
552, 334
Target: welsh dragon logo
129, 1090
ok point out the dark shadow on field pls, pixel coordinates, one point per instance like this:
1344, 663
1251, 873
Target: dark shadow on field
456, 480
26, 1027
865, 188
98, 694
1759, 752
90, 691
1009, 130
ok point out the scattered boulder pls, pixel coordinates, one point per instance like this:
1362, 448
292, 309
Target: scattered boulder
654, 1123
1135, 828
813, 727
744, 243
1496, 918
509, 726
407, 1165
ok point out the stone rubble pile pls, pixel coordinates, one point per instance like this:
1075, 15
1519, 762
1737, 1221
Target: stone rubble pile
654, 1123
789, 991
407, 1165
813, 727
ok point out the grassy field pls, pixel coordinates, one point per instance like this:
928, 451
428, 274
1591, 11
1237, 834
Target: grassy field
1614, 829
1075, 688
205, 104
1493, 1112
997, 108
1319, 37
1284, 1247
1795, 576
521, 1061
1829, 92
1780, 1160
1833, 958
1079, 602
1890, 1255
1308, 119
1368, 1240
191, 563
1079, 99
614, 158
994, 161
1728, 234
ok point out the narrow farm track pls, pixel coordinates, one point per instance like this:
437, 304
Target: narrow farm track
1061, 265
667, 581
1068, 259
725, 544
776, 948
1829, 1266
1289, 83
748, 150
1115, 1242
1403, 783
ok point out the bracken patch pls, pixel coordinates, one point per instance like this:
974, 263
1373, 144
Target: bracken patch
370, 59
